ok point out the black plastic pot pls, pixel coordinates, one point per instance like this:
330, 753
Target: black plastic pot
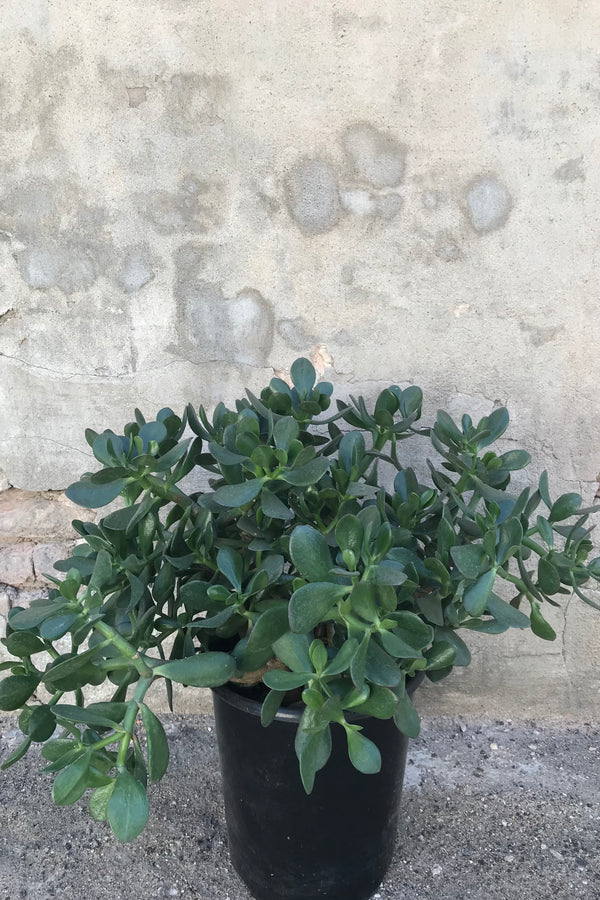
336, 843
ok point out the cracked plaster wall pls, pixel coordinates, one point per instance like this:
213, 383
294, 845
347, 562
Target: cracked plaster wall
188, 205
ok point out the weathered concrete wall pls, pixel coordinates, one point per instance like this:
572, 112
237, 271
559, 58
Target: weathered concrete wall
193, 193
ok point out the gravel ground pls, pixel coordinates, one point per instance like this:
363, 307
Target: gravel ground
492, 809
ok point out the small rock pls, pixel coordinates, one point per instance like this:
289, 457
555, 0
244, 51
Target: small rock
436, 870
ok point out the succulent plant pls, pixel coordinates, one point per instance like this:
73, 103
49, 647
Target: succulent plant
300, 574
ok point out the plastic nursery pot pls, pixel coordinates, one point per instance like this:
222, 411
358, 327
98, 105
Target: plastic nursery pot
334, 844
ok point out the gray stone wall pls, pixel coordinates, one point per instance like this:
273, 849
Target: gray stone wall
194, 193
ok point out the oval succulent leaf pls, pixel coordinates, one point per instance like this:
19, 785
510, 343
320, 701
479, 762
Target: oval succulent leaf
364, 754
71, 782
539, 626
233, 495
16, 690
311, 603
92, 496
310, 553
475, 598
127, 808
156, 740
201, 670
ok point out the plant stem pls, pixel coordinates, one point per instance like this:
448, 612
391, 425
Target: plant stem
124, 647
130, 717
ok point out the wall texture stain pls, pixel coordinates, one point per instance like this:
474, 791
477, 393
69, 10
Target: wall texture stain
374, 156
192, 195
488, 203
196, 207
312, 195
212, 327
571, 170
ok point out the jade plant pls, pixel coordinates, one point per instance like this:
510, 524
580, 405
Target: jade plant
300, 574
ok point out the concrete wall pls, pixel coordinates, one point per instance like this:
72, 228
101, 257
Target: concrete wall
194, 193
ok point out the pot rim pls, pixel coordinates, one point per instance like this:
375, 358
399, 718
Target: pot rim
293, 714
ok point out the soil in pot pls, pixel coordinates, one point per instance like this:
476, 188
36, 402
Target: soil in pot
334, 844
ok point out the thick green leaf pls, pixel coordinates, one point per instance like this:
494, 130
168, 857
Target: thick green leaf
396, 647
548, 577
57, 626
233, 495
194, 595
42, 724
23, 619
440, 656
270, 707
127, 809
349, 533
343, 658
515, 459
231, 565
545, 529
463, 655
539, 626
201, 670
224, 456
381, 703
269, 627
285, 681
17, 754
156, 741
16, 690
308, 474
413, 630
273, 507
285, 431
66, 668
292, 650
98, 804
22, 643
303, 375
152, 431
103, 567
363, 600
311, 603
485, 626
57, 748
71, 782
406, 718
84, 715
92, 496
172, 456
566, 505
388, 572
358, 665
380, 667
496, 424
506, 614
363, 753
310, 553
469, 558
313, 749
511, 535
475, 598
